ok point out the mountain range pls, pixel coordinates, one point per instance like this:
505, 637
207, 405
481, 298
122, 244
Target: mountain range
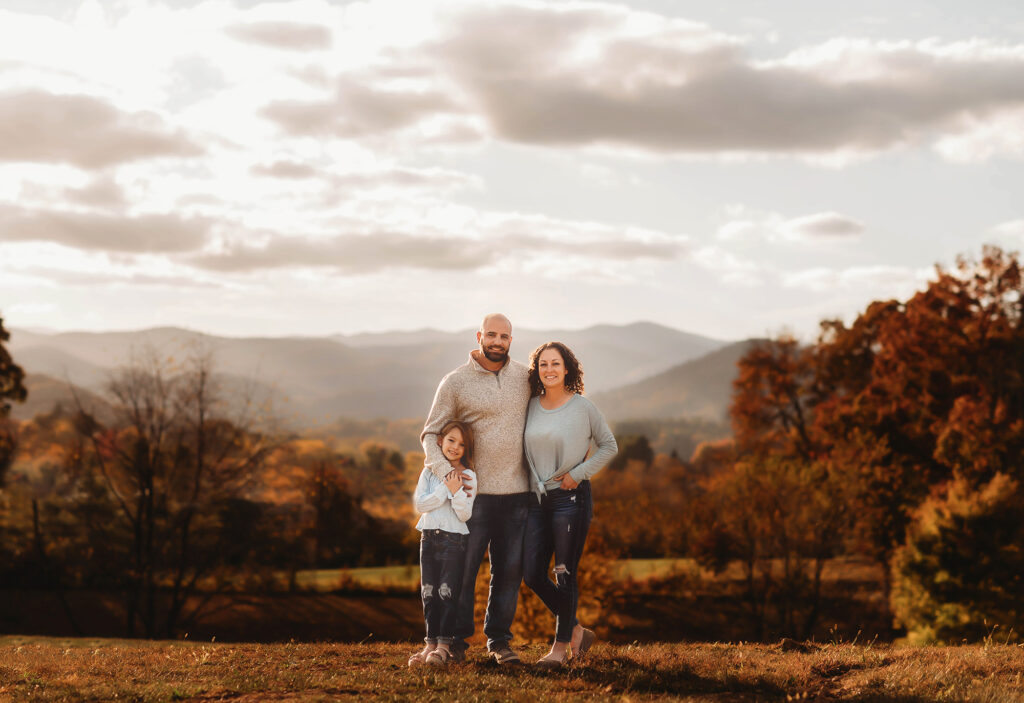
639, 370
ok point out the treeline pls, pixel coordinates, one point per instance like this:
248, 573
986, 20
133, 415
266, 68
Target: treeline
174, 496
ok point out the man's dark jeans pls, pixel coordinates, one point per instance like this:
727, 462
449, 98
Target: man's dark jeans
497, 521
559, 525
442, 561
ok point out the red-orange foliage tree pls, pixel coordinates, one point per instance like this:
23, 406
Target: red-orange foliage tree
890, 408
935, 386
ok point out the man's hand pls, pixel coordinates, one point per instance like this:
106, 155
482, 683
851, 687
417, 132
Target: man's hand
568, 482
453, 480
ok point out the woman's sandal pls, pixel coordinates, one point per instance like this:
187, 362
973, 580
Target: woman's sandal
586, 642
439, 657
552, 664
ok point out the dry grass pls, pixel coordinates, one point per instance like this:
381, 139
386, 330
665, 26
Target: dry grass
103, 670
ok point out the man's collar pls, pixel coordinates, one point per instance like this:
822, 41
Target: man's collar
473, 357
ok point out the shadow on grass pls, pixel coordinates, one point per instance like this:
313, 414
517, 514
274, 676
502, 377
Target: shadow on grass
614, 676
621, 676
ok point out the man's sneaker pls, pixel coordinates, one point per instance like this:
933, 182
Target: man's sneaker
458, 656
505, 656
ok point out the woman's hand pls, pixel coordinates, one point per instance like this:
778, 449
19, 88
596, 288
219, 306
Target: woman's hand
467, 484
453, 480
568, 482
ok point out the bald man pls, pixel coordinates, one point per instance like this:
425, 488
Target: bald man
491, 393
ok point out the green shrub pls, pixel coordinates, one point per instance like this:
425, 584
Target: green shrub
960, 574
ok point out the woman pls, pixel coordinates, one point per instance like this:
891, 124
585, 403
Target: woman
560, 426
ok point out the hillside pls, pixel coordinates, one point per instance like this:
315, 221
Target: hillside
698, 388
45, 393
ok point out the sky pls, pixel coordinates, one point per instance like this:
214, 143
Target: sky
733, 169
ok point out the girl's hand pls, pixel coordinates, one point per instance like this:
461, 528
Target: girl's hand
568, 482
453, 481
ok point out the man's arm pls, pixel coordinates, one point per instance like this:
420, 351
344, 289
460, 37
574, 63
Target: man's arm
442, 410
462, 501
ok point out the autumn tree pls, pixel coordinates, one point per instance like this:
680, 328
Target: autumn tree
960, 575
11, 388
632, 448
934, 385
778, 506
165, 467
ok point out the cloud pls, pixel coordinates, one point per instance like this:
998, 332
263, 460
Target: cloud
603, 75
823, 224
495, 238
746, 225
359, 109
406, 178
590, 74
1010, 229
364, 253
102, 192
72, 277
82, 130
734, 270
291, 36
159, 233
285, 169
881, 280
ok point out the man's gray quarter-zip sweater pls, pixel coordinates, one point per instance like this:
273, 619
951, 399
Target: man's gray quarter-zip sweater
494, 404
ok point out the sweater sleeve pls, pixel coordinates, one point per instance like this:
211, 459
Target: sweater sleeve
442, 410
607, 447
462, 503
427, 499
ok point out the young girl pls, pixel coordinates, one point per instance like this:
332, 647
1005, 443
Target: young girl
445, 507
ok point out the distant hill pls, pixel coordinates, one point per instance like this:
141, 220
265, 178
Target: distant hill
698, 388
314, 381
45, 393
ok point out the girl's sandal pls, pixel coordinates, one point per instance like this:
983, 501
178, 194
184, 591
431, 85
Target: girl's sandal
419, 658
439, 657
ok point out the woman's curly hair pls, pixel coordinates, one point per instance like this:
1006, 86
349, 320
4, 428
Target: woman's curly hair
573, 369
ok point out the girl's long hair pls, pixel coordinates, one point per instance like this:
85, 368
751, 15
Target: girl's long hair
467, 439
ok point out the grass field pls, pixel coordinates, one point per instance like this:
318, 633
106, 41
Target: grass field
636, 569
42, 669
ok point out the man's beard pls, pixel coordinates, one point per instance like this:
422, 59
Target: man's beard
495, 354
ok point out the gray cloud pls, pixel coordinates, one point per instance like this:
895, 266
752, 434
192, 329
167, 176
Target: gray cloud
285, 169
358, 109
352, 254
140, 234
292, 36
102, 192
81, 130
369, 253
824, 224
579, 75
430, 178
407, 178
92, 279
